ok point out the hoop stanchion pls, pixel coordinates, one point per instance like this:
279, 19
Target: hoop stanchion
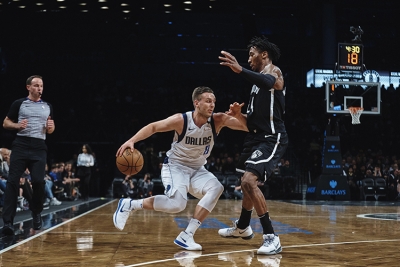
355, 113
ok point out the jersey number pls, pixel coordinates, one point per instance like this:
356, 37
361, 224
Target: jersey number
206, 150
250, 107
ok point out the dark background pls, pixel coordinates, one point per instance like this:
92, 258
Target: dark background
109, 73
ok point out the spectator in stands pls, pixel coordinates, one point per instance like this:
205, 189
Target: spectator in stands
394, 167
146, 187
352, 182
210, 165
129, 187
61, 167
48, 190
370, 165
218, 164
229, 166
237, 193
84, 164
393, 185
70, 182
25, 191
4, 162
368, 174
360, 174
4, 169
53, 173
377, 172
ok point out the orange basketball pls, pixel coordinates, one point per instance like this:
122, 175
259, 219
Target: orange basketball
130, 162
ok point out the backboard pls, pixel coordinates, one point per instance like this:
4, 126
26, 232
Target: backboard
340, 95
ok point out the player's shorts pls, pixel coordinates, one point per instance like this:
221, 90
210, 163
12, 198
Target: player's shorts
177, 177
261, 154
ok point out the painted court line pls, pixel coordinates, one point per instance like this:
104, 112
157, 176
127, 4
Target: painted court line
51, 229
248, 250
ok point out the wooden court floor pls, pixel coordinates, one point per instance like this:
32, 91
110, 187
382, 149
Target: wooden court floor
311, 233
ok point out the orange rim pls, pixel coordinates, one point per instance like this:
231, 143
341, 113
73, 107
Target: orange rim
354, 110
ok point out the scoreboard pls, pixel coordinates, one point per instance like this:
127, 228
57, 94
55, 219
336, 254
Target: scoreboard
350, 57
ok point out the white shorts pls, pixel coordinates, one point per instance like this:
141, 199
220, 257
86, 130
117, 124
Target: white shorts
176, 177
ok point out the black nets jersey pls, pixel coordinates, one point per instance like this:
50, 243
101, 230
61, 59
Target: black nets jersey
265, 110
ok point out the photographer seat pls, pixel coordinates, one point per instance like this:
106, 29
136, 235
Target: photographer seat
380, 188
368, 188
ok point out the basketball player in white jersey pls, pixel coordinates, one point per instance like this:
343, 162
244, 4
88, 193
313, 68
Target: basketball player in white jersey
183, 170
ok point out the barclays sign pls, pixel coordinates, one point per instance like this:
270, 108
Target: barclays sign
333, 165
332, 192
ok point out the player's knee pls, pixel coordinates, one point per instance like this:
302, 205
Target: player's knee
213, 187
176, 206
219, 189
212, 191
249, 182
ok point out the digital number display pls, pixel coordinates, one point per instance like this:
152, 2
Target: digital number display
350, 57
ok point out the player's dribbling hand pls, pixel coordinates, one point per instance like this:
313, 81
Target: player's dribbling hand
127, 144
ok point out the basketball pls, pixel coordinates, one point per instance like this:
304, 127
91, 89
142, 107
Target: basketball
130, 162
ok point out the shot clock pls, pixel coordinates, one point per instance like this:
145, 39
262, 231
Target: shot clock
350, 57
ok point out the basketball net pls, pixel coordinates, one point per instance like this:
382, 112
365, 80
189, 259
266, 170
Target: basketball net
355, 113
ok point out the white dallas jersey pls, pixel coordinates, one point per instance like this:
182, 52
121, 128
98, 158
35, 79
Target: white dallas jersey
194, 145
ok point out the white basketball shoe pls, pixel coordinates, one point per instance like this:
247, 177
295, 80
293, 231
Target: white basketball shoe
235, 232
271, 245
121, 215
186, 241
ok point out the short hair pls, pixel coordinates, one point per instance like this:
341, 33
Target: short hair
198, 91
262, 44
29, 80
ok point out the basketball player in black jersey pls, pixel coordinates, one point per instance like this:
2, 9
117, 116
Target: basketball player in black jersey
266, 141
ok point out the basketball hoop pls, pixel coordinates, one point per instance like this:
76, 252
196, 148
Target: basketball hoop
355, 113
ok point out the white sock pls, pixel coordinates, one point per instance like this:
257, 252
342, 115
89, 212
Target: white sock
136, 204
193, 226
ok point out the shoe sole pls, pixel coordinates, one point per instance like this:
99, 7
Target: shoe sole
183, 245
279, 250
242, 237
115, 214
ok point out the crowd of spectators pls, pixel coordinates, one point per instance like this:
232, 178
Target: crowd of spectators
61, 183
375, 165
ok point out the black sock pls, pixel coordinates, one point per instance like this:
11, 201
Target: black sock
266, 224
244, 219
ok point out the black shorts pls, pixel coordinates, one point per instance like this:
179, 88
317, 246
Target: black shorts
262, 153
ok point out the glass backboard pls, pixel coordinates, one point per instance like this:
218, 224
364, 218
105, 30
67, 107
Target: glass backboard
340, 95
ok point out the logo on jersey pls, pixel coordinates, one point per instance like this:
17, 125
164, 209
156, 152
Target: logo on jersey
256, 154
255, 89
197, 141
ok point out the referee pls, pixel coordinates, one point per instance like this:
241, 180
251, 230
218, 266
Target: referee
32, 118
